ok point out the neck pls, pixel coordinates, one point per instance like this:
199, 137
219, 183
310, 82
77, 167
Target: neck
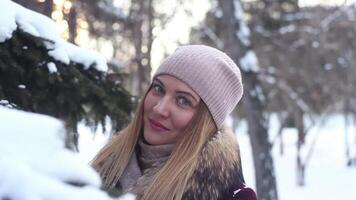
152, 155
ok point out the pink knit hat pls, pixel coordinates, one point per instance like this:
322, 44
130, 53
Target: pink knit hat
210, 73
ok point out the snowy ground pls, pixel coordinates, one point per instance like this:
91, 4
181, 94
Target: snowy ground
327, 176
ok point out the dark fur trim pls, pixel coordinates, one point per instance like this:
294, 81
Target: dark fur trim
218, 169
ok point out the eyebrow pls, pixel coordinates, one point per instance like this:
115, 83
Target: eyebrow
182, 92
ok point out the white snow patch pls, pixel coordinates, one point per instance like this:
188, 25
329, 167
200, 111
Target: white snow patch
52, 67
27, 27
328, 66
4, 101
21, 86
244, 32
127, 197
271, 69
270, 79
34, 164
297, 16
287, 29
91, 142
341, 61
315, 44
249, 62
86, 57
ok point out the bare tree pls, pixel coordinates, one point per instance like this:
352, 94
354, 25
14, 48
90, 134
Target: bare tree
142, 25
71, 18
236, 40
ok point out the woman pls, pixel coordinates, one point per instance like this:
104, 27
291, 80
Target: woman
175, 146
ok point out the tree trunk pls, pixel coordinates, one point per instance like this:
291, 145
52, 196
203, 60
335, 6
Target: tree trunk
347, 123
261, 148
283, 120
298, 118
72, 24
142, 26
236, 40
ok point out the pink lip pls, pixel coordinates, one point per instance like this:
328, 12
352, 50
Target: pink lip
157, 126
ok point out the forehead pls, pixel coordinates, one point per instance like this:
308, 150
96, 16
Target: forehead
172, 83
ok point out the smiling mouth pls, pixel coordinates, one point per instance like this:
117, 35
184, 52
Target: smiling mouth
157, 126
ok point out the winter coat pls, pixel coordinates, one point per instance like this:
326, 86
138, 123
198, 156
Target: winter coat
218, 175
240, 192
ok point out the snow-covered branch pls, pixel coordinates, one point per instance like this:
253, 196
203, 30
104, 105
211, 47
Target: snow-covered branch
34, 163
15, 16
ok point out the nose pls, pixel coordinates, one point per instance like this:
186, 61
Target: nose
162, 107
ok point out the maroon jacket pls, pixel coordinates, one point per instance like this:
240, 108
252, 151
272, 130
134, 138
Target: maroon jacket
240, 192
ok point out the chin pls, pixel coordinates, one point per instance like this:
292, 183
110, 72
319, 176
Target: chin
153, 138
150, 137
152, 141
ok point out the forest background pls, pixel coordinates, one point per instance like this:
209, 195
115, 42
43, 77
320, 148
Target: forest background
297, 59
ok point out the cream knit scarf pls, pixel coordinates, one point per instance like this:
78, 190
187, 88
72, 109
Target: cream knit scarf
143, 165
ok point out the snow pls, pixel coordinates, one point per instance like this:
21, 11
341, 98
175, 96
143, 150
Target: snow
4, 101
328, 66
257, 92
35, 165
244, 32
342, 61
315, 44
331, 17
327, 176
113, 9
270, 79
86, 57
249, 62
90, 142
297, 16
52, 67
298, 43
15, 16
287, 29
21, 86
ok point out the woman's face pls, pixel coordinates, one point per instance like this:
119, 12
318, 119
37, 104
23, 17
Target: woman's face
169, 106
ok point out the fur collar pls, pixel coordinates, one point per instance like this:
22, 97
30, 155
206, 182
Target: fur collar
218, 169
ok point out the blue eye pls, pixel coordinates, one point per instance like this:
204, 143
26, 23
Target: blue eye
184, 101
157, 89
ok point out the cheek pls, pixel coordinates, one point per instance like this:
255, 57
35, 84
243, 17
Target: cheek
182, 118
148, 102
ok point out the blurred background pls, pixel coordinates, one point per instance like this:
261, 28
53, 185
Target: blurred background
296, 122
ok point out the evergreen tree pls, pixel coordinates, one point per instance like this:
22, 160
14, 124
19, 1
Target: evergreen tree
72, 93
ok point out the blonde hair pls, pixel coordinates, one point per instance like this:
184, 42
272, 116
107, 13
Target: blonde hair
170, 181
